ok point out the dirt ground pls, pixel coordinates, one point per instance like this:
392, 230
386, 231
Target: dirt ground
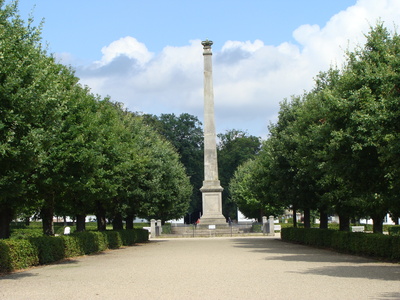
209, 268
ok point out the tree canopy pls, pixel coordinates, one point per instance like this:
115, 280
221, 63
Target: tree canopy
66, 151
335, 149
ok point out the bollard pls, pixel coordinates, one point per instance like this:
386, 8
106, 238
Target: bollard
153, 228
264, 225
271, 226
159, 227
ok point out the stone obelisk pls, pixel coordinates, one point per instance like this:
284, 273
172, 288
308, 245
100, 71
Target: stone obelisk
211, 190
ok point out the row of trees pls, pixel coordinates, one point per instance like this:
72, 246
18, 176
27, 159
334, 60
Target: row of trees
335, 149
66, 151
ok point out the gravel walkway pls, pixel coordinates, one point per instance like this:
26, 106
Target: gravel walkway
209, 268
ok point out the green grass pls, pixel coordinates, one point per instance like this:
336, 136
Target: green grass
21, 231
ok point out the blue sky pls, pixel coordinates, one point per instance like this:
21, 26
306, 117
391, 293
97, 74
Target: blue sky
147, 54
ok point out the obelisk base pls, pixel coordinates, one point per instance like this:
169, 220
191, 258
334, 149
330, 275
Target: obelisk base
212, 207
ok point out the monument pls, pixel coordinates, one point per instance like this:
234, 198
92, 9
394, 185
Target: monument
211, 189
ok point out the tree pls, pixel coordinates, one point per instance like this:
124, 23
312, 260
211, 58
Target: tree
29, 86
184, 132
293, 183
166, 187
361, 124
78, 156
253, 200
234, 148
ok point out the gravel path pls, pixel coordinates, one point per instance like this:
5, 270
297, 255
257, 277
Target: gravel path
209, 268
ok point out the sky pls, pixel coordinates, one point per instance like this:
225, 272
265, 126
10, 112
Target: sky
148, 54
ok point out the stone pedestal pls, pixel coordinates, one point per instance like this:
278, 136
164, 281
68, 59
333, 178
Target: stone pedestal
212, 206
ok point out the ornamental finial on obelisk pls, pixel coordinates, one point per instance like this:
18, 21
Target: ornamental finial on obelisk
211, 190
207, 44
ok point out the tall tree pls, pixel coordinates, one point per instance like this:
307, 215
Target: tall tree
184, 132
252, 197
361, 123
234, 148
166, 185
30, 108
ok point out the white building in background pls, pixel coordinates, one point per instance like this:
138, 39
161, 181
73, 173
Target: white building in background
241, 219
386, 221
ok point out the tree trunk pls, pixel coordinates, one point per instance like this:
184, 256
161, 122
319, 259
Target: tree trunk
377, 224
27, 221
117, 222
307, 218
47, 214
344, 223
6, 216
261, 215
80, 223
129, 221
101, 218
323, 220
294, 216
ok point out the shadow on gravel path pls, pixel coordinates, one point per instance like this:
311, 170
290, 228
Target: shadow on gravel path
334, 264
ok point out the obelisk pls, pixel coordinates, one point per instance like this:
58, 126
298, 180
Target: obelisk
211, 190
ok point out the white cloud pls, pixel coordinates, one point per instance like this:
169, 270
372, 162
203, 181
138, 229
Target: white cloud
250, 78
127, 46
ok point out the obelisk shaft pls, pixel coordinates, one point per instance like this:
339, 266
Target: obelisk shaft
211, 190
210, 141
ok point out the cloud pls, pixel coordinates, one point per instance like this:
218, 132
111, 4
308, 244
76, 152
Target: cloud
127, 46
250, 78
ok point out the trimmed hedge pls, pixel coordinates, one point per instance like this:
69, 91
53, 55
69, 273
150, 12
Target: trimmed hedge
368, 244
394, 230
17, 254
24, 253
49, 248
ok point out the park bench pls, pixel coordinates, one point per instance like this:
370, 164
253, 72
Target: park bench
357, 228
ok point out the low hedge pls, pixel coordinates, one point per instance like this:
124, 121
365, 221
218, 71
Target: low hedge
166, 228
368, 244
256, 227
394, 230
24, 253
17, 254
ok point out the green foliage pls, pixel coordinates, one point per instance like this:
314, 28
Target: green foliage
235, 147
166, 228
23, 253
142, 235
26, 233
249, 191
64, 151
168, 189
50, 249
394, 230
366, 244
72, 246
114, 240
184, 132
130, 237
17, 254
256, 227
396, 248
91, 241
335, 149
